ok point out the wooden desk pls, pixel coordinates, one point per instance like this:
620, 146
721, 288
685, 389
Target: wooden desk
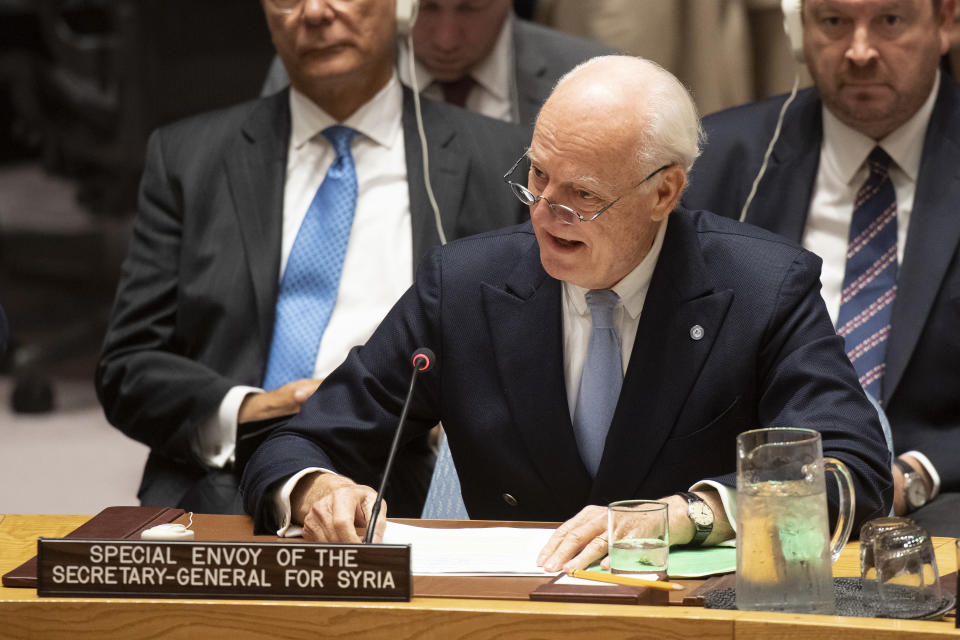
24, 615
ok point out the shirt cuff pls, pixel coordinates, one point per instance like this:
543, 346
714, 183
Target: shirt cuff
728, 497
282, 510
214, 442
930, 469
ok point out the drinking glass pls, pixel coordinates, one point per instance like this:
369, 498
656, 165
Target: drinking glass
869, 533
638, 537
907, 578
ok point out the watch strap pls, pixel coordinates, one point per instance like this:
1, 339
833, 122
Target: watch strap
700, 532
911, 476
904, 466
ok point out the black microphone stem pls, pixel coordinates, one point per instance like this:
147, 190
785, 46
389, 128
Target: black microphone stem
375, 512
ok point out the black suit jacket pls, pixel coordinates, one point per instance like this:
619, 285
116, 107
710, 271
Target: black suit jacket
921, 386
194, 310
768, 357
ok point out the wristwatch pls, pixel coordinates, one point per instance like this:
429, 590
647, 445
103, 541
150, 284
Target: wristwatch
700, 514
914, 490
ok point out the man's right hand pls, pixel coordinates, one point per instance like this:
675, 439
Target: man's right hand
279, 402
333, 508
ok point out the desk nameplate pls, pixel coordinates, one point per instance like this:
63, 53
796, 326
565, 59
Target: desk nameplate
199, 569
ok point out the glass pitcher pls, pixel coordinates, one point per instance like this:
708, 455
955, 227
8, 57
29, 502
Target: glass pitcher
784, 554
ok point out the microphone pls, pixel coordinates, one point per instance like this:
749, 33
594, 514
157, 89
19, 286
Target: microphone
422, 360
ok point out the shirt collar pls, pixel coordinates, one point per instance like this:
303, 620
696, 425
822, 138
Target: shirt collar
378, 119
493, 73
632, 289
846, 149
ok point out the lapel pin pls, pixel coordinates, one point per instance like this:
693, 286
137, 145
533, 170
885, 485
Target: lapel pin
696, 332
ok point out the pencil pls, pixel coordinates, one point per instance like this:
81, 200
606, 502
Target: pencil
626, 580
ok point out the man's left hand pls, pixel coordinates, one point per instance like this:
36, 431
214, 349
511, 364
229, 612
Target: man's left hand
578, 542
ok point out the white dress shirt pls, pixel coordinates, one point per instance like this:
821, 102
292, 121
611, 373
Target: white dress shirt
841, 173
378, 265
493, 95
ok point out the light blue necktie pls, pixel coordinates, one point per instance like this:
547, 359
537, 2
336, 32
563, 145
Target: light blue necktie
870, 279
444, 500
308, 290
600, 381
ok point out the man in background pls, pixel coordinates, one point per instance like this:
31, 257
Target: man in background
273, 236
478, 55
611, 348
865, 174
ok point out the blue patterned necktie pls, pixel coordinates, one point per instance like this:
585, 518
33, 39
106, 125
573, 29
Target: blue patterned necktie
870, 279
308, 290
600, 381
444, 500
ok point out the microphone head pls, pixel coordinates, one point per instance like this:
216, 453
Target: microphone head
423, 359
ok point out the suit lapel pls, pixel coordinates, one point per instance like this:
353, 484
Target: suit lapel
256, 173
783, 196
665, 361
524, 317
448, 173
932, 236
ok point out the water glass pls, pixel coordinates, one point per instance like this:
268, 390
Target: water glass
638, 537
869, 533
907, 579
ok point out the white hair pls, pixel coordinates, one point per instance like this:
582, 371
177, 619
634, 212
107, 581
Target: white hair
671, 132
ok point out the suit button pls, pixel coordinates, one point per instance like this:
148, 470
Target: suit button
509, 499
696, 332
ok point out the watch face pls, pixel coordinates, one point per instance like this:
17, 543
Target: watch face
916, 493
700, 513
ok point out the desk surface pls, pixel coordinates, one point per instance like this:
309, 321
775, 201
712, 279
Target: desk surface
24, 615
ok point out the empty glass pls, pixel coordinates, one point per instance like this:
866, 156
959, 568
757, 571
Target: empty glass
907, 579
869, 533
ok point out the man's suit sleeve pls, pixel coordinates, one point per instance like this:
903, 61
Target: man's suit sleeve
348, 425
148, 390
806, 381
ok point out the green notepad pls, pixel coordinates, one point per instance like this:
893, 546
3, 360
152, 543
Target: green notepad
699, 563
696, 563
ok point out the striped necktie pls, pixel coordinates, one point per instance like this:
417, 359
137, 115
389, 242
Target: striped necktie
308, 290
870, 279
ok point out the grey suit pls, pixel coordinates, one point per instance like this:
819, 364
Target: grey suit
194, 310
540, 56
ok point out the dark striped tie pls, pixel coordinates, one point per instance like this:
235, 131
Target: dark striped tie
870, 280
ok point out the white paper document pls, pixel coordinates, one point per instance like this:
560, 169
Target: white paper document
471, 551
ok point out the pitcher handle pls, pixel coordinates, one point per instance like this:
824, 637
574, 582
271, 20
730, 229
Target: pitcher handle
845, 509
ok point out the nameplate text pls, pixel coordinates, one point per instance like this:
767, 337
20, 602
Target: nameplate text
196, 569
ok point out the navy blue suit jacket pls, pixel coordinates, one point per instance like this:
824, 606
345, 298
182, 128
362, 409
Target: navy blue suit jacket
768, 357
921, 386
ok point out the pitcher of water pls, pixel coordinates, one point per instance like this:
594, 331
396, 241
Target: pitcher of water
784, 556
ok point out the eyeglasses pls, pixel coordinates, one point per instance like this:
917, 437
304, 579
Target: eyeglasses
566, 214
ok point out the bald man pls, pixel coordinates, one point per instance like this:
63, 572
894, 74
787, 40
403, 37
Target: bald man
713, 328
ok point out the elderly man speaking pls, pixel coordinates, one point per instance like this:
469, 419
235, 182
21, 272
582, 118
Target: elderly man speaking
611, 348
